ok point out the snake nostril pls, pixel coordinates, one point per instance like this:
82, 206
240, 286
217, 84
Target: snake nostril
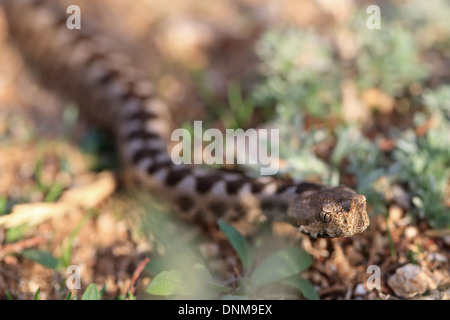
360, 223
361, 199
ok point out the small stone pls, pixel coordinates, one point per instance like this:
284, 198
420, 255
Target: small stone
445, 295
360, 290
401, 196
438, 257
411, 280
411, 232
395, 213
447, 240
185, 40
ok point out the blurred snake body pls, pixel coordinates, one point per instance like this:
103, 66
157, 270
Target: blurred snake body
115, 94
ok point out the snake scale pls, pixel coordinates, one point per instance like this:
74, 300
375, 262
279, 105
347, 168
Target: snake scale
114, 93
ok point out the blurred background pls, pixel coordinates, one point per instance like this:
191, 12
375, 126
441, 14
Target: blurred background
369, 108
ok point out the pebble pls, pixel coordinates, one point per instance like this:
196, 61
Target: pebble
360, 290
447, 240
438, 257
411, 232
411, 280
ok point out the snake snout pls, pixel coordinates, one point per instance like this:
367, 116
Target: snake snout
360, 199
361, 219
361, 223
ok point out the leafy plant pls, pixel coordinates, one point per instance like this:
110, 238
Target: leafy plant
47, 259
427, 22
300, 73
3, 204
44, 258
239, 244
420, 162
53, 191
167, 283
92, 293
281, 267
388, 60
37, 294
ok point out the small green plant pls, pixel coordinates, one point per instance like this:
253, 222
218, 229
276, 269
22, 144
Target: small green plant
167, 283
8, 295
282, 267
3, 205
427, 22
300, 74
52, 191
37, 294
47, 259
42, 257
388, 60
235, 113
419, 162
92, 293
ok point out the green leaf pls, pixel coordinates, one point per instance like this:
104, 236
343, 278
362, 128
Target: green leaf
91, 293
3, 203
54, 192
16, 233
238, 242
70, 117
36, 294
103, 290
157, 265
44, 258
67, 245
8, 295
280, 265
166, 283
38, 174
201, 274
302, 285
69, 295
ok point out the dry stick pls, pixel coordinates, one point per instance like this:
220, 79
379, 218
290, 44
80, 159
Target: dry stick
136, 275
333, 289
21, 245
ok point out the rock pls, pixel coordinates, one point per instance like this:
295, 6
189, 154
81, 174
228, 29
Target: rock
411, 232
360, 290
446, 240
185, 39
438, 257
411, 280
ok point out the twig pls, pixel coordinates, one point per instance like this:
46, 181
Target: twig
21, 245
136, 275
332, 289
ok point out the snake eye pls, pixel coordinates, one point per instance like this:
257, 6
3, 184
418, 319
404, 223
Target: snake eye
325, 217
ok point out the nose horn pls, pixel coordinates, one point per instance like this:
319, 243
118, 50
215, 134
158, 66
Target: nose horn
360, 198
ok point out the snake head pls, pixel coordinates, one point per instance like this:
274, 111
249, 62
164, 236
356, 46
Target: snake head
329, 212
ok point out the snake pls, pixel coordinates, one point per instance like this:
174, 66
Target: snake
114, 93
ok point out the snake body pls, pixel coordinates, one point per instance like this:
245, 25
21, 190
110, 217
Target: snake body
114, 93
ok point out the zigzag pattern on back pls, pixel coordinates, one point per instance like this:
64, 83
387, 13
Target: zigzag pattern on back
116, 95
